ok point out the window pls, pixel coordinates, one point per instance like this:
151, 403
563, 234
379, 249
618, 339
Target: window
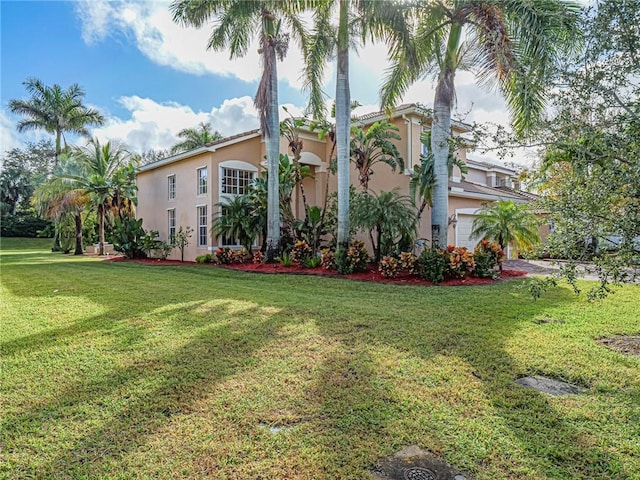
228, 241
171, 186
202, 226
235, 182
171, 215
424, 148
202, 181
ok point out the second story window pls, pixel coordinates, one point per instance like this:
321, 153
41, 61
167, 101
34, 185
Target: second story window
171, 187
202, 181
171, 224
235, 182
424, 149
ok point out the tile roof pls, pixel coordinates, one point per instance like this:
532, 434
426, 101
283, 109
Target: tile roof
500, 192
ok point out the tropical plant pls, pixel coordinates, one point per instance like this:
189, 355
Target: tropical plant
460, 261
516, 43
356, 19
129, 237
182, 239
388, 218
55, 110
108, 178
224, 255
236, 218
372, 146
235, 23
423, 177
313, 229
301, 252
198, 136
432, 264
388, 267
352, 259
206, 258
507, 223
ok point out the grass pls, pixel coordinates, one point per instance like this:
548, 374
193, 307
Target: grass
121, 370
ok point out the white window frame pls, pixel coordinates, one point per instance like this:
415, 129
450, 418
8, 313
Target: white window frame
171, 186
171, 225
232, 165
202, 185
203, 225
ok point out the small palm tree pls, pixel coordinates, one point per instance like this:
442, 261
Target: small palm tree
375, 145
195, 137
507, 223
55, 111
237, 218
389, 218
513, 44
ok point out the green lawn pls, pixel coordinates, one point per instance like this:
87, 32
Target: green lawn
120, 370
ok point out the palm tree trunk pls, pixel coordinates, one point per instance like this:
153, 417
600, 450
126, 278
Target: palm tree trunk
79, 249
343, 120
100, 229
272, 140
56, 247
440, 134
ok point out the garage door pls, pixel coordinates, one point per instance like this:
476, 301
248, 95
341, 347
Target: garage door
463, 231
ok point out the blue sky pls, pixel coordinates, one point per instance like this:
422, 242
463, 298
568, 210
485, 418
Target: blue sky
151, 77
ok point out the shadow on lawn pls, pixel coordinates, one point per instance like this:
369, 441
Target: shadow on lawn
369, 408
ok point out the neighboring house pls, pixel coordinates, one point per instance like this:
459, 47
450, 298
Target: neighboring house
184, 189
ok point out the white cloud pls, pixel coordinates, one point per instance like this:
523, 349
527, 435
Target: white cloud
9, 138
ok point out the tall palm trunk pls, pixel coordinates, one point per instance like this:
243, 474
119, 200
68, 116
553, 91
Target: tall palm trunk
101, 229
343, 120
440, 134
56, 247
78, 219
272, 140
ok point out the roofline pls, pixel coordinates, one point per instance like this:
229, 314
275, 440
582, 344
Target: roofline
212, 147
486, 166
404, 110
485, 196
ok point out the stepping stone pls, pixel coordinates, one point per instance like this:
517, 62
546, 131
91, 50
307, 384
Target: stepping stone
624, 344
549, 385
414, 463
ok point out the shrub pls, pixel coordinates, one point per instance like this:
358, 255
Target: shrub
224, 255
301, 252
460, 261
408, 262
312, 262
285, 260
154, 247
388, 267
327, 259
242, 256
208, 258
129, 237
491, 248
352, 259
24, 225
258, 258
432, 265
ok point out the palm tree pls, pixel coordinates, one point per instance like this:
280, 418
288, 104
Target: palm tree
361, 19
512, 42
235, 23
373, 146
507, 223
423, 178
55, 111
108, 179
195, 137
237, 219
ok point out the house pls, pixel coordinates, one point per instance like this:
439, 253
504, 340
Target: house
184, 189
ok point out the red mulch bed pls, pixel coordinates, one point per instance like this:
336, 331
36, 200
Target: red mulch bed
371, 275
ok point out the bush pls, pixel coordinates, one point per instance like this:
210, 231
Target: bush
488, 257
327, 259
408, 262
432, 265
153, 247
301, 252
225, 255
285, 260
352, 259
258, 258
23, 225
491, 248
208, 258
460, 261
388, 267
129, 238
312, 262
242, 256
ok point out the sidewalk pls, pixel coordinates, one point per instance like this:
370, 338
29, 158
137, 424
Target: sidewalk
547, 267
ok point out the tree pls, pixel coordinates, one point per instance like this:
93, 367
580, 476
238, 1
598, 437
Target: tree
239, 218
195, 137
235, 23
182, 240
423, 177
514, 43
589, 177
108, 178
55, 111
389, 218
373, 146
507, 223
364, 19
